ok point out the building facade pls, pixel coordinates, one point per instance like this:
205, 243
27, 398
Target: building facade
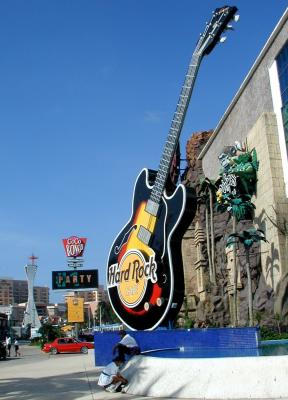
98, 295
258, 118
14, 291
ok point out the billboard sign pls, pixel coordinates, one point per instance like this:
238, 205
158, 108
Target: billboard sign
75, 279
75, 309
74, 246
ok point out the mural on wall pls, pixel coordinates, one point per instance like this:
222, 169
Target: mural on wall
144, 276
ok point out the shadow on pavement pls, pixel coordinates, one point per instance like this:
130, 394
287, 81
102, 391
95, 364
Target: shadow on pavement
66, 386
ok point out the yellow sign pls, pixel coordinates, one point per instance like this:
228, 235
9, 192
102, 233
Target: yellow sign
67, 328
75, 309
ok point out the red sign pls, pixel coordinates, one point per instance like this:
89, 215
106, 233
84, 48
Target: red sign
74, 246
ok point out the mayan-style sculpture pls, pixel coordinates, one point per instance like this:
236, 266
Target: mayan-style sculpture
237, 181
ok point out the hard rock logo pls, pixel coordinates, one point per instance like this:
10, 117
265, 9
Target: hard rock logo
131, 277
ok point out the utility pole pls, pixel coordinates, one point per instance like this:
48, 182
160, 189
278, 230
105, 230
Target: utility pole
75, 280
74, 249
100, 316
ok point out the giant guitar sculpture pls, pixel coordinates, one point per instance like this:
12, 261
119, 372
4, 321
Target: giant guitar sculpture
145, 279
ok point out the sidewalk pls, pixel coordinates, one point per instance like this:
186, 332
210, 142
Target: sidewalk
39, 376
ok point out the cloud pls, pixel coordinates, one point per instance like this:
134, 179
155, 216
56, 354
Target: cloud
153, 116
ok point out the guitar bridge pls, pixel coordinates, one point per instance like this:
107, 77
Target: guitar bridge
144, 235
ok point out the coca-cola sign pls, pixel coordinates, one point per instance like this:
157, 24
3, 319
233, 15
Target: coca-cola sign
74, 246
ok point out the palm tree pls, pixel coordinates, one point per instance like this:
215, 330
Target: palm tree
206, 191
238, 208
235, 276
248, 238
104, 314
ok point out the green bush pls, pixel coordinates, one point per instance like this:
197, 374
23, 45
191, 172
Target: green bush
271, 334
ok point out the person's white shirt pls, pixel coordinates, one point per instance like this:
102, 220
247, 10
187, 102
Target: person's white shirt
8, 340
107, 374
128, 341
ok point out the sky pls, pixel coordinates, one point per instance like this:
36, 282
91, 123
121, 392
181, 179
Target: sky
87, 94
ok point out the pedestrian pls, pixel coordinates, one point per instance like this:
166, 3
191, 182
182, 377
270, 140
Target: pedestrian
16, 347
127, 345
110, 378
8, 345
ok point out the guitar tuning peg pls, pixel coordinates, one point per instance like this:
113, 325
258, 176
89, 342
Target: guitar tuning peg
222, 39
229, 28
236, 17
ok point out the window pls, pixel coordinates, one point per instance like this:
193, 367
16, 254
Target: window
282, 67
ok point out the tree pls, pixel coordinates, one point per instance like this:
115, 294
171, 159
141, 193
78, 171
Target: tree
236, 186
49, 332
238, 208
104, 314
188, 323
278, 320
207, 193
247, 238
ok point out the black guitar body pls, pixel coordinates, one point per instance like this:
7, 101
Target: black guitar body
163, 299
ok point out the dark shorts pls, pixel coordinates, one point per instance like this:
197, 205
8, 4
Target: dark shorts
133, 351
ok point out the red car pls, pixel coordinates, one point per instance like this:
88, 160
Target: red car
67, 345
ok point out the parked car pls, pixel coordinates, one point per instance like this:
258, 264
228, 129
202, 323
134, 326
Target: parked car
67, 345
86, 337
3, 352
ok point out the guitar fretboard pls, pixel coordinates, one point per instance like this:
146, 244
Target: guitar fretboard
174, 134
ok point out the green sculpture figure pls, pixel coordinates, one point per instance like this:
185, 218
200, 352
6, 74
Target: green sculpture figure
237, 182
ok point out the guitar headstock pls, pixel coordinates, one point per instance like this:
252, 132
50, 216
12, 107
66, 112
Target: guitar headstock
219, 23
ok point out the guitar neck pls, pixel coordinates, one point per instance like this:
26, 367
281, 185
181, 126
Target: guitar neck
207, 41
174, 134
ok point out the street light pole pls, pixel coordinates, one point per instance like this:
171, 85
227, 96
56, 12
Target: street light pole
9, 315
76, 323
100, 315
89, 322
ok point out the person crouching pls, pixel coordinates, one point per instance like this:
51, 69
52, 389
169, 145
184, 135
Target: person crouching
110, 378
